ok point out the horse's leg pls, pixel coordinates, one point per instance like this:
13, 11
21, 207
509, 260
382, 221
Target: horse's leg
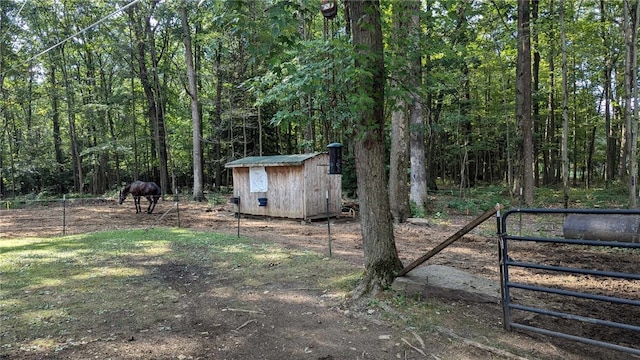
136, 201
153, 204
150, 207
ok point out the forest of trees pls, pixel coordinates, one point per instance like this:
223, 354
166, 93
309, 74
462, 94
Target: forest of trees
526, 93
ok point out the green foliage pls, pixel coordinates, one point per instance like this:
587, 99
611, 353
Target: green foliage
614, 196
422, 314
474, 201
315, 69
464, 205
416, 211
276, 60
216, 198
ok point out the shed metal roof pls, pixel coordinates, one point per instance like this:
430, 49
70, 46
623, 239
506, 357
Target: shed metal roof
274, 160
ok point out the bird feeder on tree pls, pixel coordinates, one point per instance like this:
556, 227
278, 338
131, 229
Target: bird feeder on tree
329, 9
335, 158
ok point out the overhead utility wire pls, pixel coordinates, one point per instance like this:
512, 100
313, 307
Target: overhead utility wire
18, 14
83, 30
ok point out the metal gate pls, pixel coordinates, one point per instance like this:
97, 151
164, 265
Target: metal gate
533, 246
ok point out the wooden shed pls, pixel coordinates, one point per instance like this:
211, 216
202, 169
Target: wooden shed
290, 186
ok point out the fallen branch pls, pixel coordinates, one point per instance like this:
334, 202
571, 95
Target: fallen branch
478, 345
302, 289
243, 310
245, 324
451, 334
413, 347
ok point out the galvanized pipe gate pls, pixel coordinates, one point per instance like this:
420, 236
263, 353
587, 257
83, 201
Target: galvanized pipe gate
586, 232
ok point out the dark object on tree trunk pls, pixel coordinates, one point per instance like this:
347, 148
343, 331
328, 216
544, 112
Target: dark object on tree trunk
329, 8
602, 227
335, 158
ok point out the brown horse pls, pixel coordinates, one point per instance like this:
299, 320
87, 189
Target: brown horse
138, 189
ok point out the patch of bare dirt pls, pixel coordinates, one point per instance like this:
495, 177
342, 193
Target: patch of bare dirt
310, 325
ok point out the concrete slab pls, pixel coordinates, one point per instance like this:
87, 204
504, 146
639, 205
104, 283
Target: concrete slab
445, 281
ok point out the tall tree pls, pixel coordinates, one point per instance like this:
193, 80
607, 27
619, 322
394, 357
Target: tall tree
198, 182
523, 99
419, 177
399, 162
607, 69
78, 173
381, 256
565, 107
4, 28
144, 40
537, 126
551, 153
631, 14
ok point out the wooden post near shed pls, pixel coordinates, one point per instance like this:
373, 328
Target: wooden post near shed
453, 238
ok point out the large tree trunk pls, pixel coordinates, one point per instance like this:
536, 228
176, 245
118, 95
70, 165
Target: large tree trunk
399, 163
418, 162
381, 257
523, 100
399, 160
198, 193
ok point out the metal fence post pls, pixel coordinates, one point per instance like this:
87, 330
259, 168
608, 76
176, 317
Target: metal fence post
64, 214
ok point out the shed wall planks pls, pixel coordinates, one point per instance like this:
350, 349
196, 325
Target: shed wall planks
296, 191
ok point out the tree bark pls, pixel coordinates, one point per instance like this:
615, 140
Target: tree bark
217, 125
400, 137
565, 109
399, 163
523, 100
610, 162
198, 193
381, 257
631, 94
550, 153
419, 178
537, 123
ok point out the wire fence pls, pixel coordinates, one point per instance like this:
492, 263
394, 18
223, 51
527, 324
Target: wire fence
55, 217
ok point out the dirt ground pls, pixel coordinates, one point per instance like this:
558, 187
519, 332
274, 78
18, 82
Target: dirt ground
313, 325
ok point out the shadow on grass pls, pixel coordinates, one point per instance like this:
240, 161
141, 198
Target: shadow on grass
64, 294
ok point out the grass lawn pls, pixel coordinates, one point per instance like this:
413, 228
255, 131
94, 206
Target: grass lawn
61, 292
